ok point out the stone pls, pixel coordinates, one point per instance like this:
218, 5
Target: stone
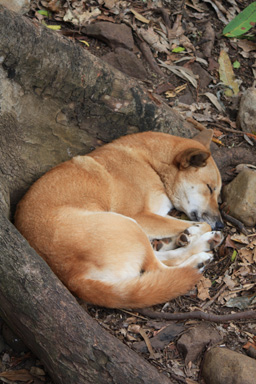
114, 35
239, 197
192, 343
127, 62
223, 366
18, 6
246, 118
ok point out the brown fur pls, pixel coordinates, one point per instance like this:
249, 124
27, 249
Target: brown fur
77, 217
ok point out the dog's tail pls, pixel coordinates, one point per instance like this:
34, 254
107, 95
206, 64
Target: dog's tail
153, 287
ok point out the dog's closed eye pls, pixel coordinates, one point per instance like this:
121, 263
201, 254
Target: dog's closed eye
210, 189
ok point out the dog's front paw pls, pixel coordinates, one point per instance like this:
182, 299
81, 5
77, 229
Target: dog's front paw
192, 233
205, 243
199, 261
211, 240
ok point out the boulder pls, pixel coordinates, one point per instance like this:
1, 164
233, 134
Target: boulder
223, 366
240, 198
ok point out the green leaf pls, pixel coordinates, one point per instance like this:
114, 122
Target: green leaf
242, 23
44, 12
178, 49
236, 64
233, 257
54, 27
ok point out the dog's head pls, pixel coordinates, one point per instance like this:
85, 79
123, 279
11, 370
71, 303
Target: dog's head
197, 186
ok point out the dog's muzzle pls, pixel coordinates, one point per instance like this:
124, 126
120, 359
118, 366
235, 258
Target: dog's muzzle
214, 221
219, 225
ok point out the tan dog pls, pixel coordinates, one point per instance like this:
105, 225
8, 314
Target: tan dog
90, 218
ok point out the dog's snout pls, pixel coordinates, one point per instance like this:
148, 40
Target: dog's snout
194, 216
219, 225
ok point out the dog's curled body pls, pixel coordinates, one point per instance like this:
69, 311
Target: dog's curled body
91, 218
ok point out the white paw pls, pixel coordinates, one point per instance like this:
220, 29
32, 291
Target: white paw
198, 261
211, 239
192, 233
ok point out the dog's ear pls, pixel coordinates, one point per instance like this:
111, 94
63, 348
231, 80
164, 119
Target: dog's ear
191, 157
204, 137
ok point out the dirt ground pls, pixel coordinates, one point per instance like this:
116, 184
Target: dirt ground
228, 284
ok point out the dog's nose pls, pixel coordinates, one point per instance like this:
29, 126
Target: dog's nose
218, 226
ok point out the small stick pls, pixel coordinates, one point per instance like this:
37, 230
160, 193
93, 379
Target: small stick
133, 314
196, 124
147, 341
210, 302
237, 223
199, 315
233, 130
146, 51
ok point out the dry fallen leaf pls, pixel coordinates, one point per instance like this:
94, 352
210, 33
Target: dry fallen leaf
203, 288
214, 100
153, 40
139, 17
182, 72
227, 75
19, 375
240, 238
247, 45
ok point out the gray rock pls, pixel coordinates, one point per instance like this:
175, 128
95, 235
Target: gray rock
19, 6
239, 197
127, 62
192, 343
115, 35
223, 366
246, 118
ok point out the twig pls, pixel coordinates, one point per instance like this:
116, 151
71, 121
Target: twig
146, 51
165, 16
196, 124
147, 341
232, 130
201, 127
237, 223
199, 315
133, 314
210, 302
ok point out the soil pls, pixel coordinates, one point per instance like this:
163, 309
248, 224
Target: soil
228, 285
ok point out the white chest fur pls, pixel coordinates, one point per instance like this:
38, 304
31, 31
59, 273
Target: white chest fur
161, 205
